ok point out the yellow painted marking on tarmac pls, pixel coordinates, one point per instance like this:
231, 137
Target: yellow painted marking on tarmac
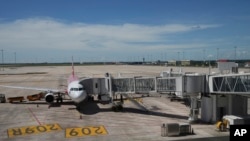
29, 130
140, 100
85, 131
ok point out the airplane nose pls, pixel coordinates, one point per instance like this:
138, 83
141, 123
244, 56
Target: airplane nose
78, 96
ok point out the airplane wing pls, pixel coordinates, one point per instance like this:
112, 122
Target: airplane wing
49, 97
32, 88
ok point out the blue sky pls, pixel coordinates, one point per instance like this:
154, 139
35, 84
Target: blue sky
124, 30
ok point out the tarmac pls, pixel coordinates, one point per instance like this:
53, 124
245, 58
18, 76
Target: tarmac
93, 121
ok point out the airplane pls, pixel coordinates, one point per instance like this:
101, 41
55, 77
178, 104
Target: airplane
75, 90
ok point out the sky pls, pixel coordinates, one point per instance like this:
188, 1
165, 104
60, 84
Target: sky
34, 31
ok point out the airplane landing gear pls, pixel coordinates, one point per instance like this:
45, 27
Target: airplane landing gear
59, 98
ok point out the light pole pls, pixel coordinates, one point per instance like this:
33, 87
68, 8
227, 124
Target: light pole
235, 53
183, 55
15, 57
209, 63
178, 58
217, 54
2, 60
204, 53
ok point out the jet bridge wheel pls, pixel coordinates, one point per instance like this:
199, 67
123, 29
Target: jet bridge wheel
91, 98
116, 107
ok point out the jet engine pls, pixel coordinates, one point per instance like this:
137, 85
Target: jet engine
49, 97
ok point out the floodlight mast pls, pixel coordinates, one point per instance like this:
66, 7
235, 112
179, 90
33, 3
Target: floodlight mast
235, 53
2, 60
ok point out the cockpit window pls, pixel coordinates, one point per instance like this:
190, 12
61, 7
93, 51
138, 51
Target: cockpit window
76, 89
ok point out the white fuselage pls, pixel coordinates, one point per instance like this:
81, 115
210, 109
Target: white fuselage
76, 91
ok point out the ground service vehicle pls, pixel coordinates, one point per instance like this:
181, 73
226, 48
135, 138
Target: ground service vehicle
2, 98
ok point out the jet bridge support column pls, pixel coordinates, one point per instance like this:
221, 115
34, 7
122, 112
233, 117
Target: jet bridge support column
193, 86
194, 109
109, 87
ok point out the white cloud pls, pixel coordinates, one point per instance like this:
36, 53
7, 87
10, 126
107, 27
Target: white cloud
49, 33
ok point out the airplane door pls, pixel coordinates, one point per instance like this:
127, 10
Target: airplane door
96, 86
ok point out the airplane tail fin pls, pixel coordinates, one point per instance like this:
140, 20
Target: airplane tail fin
72, 77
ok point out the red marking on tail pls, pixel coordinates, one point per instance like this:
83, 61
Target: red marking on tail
72, 77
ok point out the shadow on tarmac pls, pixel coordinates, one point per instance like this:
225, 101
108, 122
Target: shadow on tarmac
90, 108
222, 138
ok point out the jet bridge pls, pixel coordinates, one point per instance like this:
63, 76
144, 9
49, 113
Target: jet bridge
182, 85
144, 85
229, 95
185, 84
230, 84
221, 92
